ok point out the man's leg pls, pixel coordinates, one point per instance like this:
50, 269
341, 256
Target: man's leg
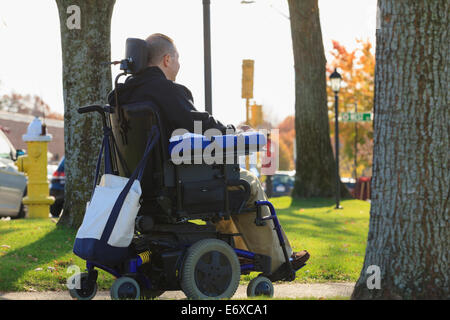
228, 227
260, 239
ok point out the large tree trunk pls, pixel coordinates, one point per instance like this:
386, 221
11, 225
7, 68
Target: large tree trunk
85, 46
315, 165
409, 220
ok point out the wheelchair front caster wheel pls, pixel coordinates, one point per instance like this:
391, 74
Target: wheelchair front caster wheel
82, 289
125, 288
260, 286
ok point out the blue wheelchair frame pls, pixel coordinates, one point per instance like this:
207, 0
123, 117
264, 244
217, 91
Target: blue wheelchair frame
134, 263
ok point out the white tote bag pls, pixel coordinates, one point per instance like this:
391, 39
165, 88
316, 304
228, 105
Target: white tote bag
108, 224
100, 207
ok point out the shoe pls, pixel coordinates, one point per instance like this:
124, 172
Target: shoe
299, 259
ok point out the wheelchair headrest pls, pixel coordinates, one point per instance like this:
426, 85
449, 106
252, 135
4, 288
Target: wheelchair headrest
136, 56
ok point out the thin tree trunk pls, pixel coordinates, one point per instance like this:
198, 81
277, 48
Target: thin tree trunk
85, 46
409, 220
315, 165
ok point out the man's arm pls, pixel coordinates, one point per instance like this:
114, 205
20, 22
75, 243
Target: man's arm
183, 112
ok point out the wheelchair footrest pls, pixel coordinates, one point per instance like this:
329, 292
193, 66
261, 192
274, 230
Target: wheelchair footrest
283, 273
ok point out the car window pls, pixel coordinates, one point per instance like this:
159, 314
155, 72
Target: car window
5, 149
281, 179
61, 166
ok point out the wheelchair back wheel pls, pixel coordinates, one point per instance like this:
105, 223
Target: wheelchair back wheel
211, 270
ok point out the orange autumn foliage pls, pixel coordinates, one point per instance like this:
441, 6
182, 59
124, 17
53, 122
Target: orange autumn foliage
357, 68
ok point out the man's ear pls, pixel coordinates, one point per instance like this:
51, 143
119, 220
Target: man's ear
166, 59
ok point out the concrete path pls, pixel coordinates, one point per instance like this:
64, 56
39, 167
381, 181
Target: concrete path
317, 290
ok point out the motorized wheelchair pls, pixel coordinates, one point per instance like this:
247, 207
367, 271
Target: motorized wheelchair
171, 250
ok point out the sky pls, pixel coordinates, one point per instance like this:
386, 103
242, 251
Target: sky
31, 61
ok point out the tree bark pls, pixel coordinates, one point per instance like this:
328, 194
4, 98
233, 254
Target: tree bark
409, 220
85, 46
315, 165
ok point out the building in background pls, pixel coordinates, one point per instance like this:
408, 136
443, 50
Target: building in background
15, 125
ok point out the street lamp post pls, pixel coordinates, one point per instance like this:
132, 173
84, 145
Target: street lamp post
335, 79
207, 54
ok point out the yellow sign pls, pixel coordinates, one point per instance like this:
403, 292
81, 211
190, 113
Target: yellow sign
247, 79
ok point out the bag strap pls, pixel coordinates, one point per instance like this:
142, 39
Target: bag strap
137, 175
107, 132
104, 151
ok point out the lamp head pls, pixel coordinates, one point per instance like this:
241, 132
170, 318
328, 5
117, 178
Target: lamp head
335, 79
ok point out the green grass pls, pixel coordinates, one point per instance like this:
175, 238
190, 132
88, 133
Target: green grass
35, 254
335, 239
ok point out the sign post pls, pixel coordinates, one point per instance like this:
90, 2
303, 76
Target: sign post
247, 93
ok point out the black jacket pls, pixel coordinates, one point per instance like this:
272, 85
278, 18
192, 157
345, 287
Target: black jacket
174, 100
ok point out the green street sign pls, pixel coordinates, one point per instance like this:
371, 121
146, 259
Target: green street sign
356, 116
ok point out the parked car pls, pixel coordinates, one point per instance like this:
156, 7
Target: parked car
12, 182
282, 184
350, 183
57, 183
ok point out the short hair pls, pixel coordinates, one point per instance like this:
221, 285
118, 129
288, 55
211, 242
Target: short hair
158, 46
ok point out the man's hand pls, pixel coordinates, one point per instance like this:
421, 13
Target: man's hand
244, 128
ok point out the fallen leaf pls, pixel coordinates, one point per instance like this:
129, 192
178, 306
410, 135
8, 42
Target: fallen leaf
30, 289
6, 246
62, 263
38, 269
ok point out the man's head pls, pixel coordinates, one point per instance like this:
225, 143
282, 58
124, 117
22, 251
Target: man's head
163, 54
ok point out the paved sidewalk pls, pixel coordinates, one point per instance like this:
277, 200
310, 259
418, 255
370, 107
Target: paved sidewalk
317, 290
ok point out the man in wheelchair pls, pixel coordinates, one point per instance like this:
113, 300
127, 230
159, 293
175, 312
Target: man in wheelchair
167, 249
156, 83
